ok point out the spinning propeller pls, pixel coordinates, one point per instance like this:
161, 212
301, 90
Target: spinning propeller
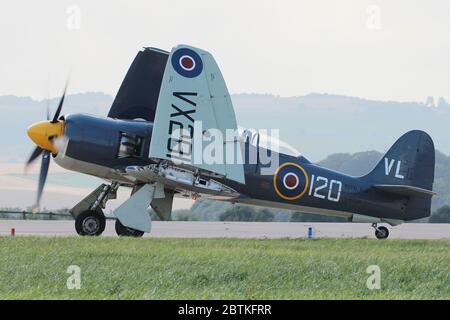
45, 134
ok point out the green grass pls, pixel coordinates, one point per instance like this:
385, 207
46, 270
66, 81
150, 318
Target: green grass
120, 268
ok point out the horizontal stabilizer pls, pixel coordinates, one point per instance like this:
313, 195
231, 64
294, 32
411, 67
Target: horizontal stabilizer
405, 190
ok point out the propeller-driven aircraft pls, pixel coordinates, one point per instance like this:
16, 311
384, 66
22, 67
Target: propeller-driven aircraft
167, 135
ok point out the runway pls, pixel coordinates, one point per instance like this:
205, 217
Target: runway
261, 230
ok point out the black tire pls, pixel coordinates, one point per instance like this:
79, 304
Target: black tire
90, 223
123, 231
381, 232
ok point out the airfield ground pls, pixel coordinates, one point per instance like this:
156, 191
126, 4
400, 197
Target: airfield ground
252, 230
168, 268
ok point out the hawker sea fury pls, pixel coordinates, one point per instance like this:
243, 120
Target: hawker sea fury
169, 133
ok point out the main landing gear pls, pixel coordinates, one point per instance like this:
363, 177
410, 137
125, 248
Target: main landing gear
89, 217
90, 223
380, 232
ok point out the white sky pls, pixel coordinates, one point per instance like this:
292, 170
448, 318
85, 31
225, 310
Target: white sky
280, 47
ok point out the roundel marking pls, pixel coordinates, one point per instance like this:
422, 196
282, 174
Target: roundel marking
187, 63
290, 181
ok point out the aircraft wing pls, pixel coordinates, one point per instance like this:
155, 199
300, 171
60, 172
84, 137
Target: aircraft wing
193, 109
180, 181
138, 94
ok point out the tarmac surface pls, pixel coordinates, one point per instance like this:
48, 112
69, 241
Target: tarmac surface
270, 230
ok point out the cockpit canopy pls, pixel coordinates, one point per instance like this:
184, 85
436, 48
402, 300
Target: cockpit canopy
266, 139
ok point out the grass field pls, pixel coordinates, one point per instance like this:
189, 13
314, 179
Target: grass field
119, 268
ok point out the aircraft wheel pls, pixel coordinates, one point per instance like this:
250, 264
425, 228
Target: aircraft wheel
90, 223
381, 232
121, 230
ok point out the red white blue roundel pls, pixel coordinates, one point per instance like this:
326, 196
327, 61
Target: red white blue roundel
187, 63
290, 181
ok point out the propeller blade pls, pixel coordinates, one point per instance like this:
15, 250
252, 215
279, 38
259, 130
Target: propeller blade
61, 101
43, 175
36, 153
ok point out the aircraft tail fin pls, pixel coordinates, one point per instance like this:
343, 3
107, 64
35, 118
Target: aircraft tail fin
410, 162
407, 170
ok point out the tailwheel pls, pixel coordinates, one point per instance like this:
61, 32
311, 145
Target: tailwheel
124, 231
381, 232
90, 223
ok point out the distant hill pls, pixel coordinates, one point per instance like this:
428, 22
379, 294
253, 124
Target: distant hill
322, 124
315, 124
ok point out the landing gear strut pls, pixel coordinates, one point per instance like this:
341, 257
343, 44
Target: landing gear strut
380, 232
89, 217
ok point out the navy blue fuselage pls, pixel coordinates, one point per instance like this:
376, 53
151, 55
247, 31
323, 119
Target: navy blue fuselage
294, 184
